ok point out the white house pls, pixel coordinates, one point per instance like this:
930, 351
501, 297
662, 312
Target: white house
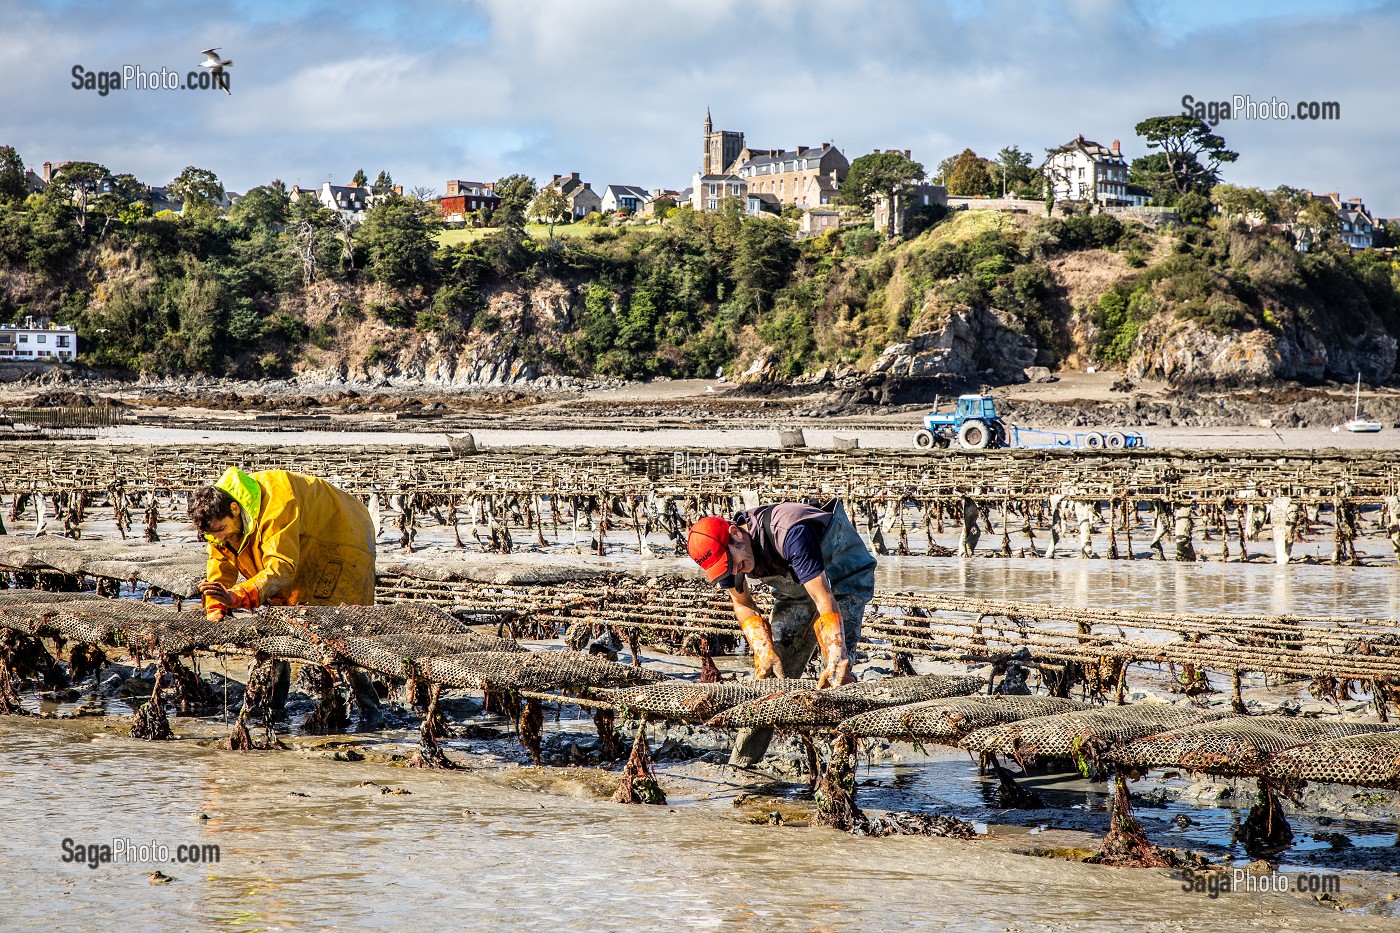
1083, 170
630, 198
32, 342
349, 201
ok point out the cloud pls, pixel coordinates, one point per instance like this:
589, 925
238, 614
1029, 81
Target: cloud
617, 89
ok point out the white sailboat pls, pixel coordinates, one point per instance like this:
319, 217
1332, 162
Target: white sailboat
1357, 424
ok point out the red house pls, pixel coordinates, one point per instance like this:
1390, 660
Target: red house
464, 198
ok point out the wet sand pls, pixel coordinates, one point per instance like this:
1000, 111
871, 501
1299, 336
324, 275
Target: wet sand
899, 436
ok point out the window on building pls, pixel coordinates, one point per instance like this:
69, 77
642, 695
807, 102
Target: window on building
23, 338
62, 340
714, 205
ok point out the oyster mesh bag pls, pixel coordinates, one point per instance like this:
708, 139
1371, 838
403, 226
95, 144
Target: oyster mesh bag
1369, 760
1237, 746
688, 701
1066, 735
530, 670
817, 708
947, 721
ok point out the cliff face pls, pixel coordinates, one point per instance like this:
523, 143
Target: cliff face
519, 334
1185, 353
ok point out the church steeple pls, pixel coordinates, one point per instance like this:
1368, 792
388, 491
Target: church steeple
709, 127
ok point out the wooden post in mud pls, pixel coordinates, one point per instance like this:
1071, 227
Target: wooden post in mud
1283, 517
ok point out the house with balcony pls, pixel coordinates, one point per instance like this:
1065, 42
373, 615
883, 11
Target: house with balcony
1089, 172
38, 342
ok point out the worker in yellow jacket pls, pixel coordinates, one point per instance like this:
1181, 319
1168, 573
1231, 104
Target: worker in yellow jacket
295, 540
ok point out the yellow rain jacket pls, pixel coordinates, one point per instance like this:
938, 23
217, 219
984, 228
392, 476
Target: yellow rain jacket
308, 543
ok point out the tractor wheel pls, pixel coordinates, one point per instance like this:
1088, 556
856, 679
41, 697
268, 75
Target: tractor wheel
998, 434
924, 440
1094, 441
1117, 441
974, 435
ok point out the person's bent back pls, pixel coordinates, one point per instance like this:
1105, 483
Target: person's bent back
295, 540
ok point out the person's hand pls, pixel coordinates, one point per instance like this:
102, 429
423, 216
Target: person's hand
218, 592
831, 635
765, 659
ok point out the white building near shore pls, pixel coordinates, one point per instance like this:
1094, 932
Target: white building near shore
45, 342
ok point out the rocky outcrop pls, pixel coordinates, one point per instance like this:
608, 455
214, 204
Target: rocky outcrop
525, 324
1187, 353
965, 343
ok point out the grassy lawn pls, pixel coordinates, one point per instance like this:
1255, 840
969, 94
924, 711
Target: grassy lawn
538, 231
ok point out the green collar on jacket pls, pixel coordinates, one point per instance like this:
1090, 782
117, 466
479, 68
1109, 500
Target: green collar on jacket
247, 493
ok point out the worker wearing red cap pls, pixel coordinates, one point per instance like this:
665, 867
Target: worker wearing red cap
821, 575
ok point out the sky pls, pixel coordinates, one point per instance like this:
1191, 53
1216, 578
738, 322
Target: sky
617, 89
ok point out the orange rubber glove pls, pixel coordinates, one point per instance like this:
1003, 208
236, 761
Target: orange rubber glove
760, 637
831, 635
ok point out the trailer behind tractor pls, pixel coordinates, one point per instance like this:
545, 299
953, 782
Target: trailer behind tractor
974, 424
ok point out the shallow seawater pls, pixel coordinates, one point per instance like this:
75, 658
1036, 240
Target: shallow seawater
305, 844
1162, 586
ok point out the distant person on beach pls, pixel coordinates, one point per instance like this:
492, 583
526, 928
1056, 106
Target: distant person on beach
821, 575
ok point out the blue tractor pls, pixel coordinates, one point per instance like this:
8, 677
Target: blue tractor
973, 424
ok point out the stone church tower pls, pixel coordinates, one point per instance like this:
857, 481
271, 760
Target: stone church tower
721, 148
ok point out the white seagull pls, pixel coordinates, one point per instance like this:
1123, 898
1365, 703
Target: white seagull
216, 66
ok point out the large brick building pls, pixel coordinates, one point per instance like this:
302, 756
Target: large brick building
805, 176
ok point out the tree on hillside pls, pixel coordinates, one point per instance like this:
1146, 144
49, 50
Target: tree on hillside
1249, 204
1320, 219
1193, 152
200, 190
360, 179
123, 200
12, 186
969, 177
398, 234
550, 206
881, 175
1153, 173
763, 256
1015, 168
1287, 202
313, 235
81, 182
383, 183
516, 192
262, 207
945, 168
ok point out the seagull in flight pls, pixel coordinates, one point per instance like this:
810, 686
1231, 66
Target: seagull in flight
216, 66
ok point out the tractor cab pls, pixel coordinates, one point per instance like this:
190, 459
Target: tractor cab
980, 407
